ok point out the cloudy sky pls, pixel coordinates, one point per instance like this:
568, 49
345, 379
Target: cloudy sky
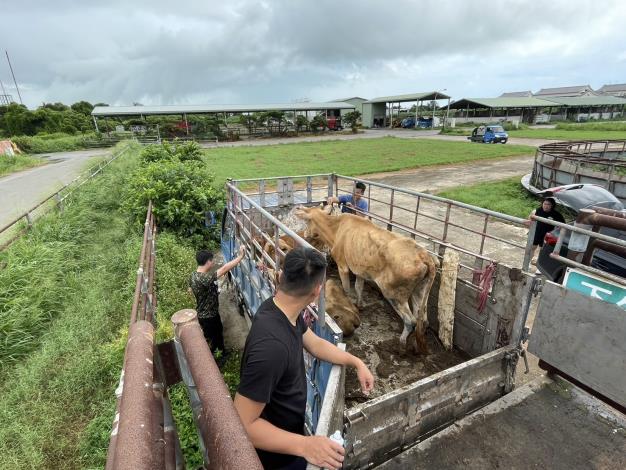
240, 51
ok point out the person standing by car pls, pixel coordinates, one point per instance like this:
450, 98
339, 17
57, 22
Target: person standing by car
547, 211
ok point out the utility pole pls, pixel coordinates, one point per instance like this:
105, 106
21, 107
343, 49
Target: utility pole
13, 75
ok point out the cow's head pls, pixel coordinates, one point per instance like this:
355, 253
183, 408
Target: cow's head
312, 217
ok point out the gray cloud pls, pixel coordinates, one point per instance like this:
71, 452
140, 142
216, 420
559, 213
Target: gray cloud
244, 51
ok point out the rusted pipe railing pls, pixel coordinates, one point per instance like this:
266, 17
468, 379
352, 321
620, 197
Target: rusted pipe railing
591, 217
224, 436
134, 446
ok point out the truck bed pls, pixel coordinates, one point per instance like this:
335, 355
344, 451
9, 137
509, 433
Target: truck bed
546, 424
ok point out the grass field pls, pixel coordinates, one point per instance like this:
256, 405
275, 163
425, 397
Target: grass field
353, 157
507, 196
10, 165
562, 134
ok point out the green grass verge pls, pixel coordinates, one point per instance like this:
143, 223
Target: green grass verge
10, 165
507, 196
66, 292
58, 142
352, 157
560, 134
592, 126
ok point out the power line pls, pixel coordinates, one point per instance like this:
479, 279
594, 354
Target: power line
13, 75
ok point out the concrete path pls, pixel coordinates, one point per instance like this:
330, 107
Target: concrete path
22, 190
366, 134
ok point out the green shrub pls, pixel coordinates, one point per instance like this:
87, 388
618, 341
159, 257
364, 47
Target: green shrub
57, 142
592, 126
181, 190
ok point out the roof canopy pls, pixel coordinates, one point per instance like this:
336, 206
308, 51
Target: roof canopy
532, 102
214, 108
425, 96
602, 100
513, 102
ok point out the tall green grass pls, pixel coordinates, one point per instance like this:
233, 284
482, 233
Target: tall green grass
51, 142
10, 165
592, 126
65, 293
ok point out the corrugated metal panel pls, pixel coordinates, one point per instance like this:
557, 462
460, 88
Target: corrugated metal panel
214, 108
564, 90
587, 100
428, 95
526, 102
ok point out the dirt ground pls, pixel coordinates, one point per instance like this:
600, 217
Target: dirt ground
377, 343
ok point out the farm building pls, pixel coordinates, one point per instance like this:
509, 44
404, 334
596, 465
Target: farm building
516, 94
618, 90
379, 112
535, 110
357, 101
307, 109
570, 91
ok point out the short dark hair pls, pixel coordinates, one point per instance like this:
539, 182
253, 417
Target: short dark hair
550, 200
361, 185
303, 270
203, 256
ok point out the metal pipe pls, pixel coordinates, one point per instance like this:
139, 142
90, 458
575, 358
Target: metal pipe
597, 272
599, 236
498, 215
140, 273
602, 245
226, 440
590, 217
135, 442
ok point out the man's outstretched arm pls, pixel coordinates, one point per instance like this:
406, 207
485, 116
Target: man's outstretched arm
318, 450
328, 352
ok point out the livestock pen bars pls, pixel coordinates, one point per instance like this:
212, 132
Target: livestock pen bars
493, 295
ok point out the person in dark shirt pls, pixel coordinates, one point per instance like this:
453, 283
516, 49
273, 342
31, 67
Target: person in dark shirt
547, 211
203, 285
271, 398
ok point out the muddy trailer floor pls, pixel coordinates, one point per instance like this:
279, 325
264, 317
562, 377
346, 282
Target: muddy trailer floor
377, 342
545, 425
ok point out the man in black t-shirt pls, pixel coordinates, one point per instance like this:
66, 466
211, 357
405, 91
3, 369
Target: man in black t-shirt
547, 211
271, 398
203, 285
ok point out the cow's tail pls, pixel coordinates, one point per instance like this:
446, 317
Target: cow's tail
419, 297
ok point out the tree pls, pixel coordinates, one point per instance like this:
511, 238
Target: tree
318, 122
352, 119
55, 106
83, 107
301, 123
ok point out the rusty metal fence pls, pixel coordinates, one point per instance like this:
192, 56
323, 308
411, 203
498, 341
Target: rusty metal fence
22, 223
144, 435
601, 162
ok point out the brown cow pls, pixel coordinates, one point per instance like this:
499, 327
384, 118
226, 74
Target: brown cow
403, 271
341, 308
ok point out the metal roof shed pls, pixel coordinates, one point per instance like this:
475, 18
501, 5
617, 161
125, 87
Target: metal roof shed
377, 107
526, 105
184, 110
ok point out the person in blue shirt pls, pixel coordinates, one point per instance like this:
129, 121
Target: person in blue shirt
348, 204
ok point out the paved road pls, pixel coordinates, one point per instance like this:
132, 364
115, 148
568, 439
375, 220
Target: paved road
367, 134
20, 191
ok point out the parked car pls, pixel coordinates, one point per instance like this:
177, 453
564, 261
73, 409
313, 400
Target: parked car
408, 122
576, 197
491, 134
422, 122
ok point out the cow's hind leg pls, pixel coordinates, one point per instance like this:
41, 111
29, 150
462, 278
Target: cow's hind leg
419, 304
403, 310
344, 274
358, 286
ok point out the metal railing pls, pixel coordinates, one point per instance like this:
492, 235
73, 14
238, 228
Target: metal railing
13, 230
580, 250
598, 162
144, 433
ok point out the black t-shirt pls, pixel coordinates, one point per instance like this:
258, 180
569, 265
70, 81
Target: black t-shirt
272, 372
543, 228
205, 289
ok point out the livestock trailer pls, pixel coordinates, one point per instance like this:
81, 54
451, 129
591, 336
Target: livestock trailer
492, 300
